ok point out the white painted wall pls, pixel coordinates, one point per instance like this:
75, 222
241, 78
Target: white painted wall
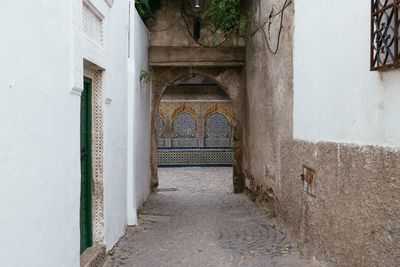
42, 52
111, 56
115, 118
39, 136
138, 118
336, 97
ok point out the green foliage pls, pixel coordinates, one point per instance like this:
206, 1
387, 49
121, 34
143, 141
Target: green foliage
224, 15
146, 76
146, 8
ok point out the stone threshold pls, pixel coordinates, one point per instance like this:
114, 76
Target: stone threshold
94, 256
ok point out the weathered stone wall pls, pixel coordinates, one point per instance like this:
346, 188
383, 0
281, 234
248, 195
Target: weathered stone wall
170, 29
352, 219
268, 101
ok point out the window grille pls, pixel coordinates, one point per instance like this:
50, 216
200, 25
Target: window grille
385, 34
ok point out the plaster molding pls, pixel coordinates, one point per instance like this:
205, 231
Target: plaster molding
94, 9
162, 114
216, 108
109, 2
184, 108
76, 91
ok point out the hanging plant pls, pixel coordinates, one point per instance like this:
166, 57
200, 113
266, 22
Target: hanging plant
224, 16
146, 76
146, 8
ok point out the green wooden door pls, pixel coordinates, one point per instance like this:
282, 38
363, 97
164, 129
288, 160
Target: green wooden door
86, 166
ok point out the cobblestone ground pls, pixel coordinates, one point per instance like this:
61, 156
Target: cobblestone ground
196, 220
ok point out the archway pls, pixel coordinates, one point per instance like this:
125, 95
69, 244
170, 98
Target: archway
229, 81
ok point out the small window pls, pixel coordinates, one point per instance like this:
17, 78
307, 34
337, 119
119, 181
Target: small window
385, 35
92, 23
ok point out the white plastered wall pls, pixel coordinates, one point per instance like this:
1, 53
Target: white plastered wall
115, 126
39, 136
138, 118
42, 52
110, 54
336, 97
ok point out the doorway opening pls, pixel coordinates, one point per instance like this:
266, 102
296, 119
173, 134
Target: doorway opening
86, 238
91, 154
220, 90
194, 125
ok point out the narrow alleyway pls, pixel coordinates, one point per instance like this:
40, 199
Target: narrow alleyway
196, 220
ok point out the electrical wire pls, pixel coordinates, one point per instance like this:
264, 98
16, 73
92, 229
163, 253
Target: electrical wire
260, 26
166, 28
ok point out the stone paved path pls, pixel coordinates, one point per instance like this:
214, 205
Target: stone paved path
196, 220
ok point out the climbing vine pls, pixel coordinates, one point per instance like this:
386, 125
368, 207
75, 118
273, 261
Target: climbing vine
224, 16
146, 76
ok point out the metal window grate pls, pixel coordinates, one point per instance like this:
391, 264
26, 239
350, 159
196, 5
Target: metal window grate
385, 34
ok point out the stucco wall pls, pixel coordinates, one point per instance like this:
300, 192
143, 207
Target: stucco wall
268, 98
115, 119
43, 57
138, 116
336, 97
170, 29
39, 137
110, 56
351, 219
348, 117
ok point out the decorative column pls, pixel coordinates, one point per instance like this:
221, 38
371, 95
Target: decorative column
168, 131
200, 126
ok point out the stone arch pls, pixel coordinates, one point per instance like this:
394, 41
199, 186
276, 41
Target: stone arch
230, 81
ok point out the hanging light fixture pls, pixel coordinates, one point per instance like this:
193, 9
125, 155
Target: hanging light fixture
197, 7
196, 27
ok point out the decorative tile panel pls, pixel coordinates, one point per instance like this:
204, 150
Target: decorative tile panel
217, 131
97, 147
185, 142
217, 142
200, 129
161, 142
217, 126
194, 157
184, 126
160, 126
